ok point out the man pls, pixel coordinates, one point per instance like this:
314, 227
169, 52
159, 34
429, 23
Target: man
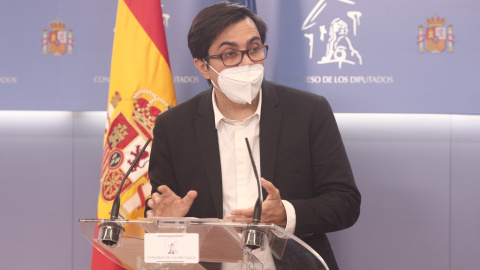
199, 163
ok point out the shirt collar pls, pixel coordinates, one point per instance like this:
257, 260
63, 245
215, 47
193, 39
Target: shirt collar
219, 116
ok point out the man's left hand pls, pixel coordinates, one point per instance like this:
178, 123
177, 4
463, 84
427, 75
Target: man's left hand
273, 210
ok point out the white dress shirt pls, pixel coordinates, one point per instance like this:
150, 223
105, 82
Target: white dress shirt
239, 186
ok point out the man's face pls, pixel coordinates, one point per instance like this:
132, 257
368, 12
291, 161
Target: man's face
239, 36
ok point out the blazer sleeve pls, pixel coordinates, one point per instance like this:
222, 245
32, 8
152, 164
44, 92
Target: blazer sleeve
160, 169
335, 201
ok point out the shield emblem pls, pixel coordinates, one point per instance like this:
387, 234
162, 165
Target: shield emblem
436, 39
58, 42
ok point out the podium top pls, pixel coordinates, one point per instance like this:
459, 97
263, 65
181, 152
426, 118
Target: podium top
220, 241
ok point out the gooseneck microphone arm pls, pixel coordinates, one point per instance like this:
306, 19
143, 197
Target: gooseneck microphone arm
257, 211
110, 233
116, 203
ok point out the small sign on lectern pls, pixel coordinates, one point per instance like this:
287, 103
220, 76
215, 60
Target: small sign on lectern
171, 248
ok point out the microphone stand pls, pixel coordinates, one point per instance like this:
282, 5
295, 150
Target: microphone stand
253, 237
110, 233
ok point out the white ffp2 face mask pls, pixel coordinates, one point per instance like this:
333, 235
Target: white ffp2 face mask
240, 84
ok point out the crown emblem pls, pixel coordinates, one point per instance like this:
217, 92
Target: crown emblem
147, 106
57, 25
435, 21
119, 133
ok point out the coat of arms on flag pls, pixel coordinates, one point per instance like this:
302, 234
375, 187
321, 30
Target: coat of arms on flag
57, 40
436, 37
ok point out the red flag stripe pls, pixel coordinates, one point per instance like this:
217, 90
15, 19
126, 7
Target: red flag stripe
149, 14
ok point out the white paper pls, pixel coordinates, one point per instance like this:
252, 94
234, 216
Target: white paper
171, 248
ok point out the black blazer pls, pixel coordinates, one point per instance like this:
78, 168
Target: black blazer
301, 153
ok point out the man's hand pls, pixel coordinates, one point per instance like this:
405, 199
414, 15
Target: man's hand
166, 203
273, 210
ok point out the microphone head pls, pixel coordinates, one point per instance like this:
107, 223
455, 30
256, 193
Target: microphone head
254, 238
110, 234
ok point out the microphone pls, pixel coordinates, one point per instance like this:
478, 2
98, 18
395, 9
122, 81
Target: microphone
257, 211
110, 233
252, 236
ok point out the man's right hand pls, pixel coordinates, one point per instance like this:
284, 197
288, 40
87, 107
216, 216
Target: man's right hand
166, 203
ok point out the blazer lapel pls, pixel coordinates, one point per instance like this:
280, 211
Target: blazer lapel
270, 124
208, 142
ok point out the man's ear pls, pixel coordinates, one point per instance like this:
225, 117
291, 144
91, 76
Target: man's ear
202, 68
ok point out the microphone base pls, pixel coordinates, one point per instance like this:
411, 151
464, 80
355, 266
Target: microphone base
254, 238
110, 234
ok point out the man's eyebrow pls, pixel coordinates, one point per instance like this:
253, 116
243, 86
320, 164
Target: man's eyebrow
234, 44
228, 43
255, 38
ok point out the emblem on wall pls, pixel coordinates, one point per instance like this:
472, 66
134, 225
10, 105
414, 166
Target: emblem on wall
57, 41
335, 36
436, 38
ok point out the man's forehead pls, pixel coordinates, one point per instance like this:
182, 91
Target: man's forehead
239, 33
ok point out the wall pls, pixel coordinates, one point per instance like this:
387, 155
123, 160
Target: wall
380, 62
50, 170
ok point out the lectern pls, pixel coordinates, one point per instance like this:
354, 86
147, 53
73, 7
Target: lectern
190, 243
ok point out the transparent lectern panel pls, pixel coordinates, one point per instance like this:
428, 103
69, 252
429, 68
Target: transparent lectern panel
221, 245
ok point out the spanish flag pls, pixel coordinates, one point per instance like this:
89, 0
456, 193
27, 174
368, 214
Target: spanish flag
141, 87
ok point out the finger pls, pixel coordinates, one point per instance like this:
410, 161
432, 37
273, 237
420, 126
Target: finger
239, 219
155, 198
165, 190
273, 192
190, 197
151, 202
155, 205
242, 212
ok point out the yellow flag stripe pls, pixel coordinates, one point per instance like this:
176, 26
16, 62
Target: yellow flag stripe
138, 64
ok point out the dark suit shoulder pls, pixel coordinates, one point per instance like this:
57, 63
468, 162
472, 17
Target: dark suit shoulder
188, 109
293, 98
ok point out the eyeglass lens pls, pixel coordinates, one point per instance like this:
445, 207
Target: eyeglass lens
235, 57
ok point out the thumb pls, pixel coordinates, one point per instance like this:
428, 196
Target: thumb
273, 192
190, 197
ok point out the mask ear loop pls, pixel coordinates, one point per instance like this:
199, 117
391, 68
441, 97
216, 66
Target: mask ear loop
215, 72
208, 65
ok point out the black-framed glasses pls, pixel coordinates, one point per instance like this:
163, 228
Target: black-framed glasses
233, 58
